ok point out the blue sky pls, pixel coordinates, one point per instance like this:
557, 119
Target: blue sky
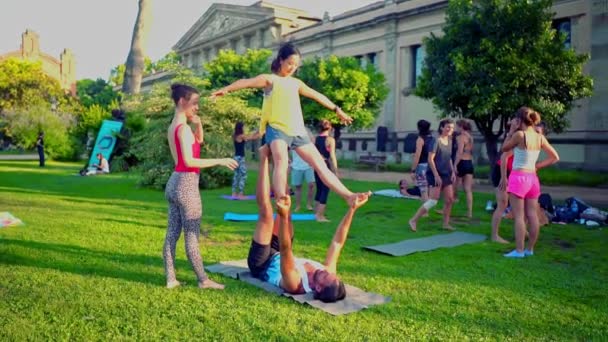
99, 31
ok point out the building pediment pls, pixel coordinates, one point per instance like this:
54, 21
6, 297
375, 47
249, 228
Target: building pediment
221, 19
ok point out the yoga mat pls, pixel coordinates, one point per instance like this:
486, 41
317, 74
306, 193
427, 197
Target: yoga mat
427, 243
254, 217
247, 198
356, 299
8, 220
393, 193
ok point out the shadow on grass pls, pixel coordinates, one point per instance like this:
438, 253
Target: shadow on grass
84, 261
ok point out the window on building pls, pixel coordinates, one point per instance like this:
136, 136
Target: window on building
371, 57
359, 59
563, 26
418, 55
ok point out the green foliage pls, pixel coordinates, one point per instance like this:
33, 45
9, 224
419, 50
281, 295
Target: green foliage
150, 146
360, 92
170, 62
497, 55
23, 124
96, 92
24, 84
117, 75
229, 67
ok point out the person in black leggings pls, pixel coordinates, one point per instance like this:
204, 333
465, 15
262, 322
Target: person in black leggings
327, 148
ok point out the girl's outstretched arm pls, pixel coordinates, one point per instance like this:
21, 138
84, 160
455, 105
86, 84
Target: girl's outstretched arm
260, 81
325, 102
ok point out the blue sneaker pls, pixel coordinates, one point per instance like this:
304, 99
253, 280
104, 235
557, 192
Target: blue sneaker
515, 254
528, 252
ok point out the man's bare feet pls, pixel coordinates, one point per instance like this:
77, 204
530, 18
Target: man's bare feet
412, 225
309, 207
296, 209
499, 239
173, 284
448, 227
210, 284
439, 211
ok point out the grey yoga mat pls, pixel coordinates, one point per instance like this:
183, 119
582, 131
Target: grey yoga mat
427, 243
356, 299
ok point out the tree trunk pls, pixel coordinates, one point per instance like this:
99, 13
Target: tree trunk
134, 67
491, 147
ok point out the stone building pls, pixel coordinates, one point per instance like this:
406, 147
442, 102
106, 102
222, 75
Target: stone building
62, 69
389, 34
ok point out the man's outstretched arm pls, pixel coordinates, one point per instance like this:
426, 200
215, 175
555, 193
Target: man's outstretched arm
337, 243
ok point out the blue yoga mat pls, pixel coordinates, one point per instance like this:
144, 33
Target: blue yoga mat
254, 217
247, 198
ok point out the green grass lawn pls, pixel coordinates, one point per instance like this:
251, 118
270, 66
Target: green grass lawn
88, 266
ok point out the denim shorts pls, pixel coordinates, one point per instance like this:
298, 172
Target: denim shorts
292, 141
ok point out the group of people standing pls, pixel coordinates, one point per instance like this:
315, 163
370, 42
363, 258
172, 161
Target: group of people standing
441, 162
438, 163
282, 129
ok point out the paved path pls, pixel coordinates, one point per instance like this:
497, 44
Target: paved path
594, 196
18, 157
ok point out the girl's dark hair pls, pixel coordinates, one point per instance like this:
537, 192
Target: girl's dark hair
424, 127
179, 91
285, 51
442, 124
325, 125
528, 116
238, 129
464, 124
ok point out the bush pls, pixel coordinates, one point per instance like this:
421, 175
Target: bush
24, 125
150, 146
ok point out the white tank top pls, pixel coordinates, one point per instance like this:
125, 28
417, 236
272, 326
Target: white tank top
525, 159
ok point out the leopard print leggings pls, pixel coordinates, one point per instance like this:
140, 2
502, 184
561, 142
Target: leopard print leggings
185, 211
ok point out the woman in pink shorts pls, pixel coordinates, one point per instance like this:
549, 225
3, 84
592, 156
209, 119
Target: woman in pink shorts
523, 185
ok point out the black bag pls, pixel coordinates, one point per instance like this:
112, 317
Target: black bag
576, 205
546, 203
564, 214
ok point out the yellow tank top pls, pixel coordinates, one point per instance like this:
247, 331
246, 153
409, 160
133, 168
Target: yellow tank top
281, 107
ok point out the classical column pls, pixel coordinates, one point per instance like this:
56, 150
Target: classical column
597, 120
390, 71
260, 38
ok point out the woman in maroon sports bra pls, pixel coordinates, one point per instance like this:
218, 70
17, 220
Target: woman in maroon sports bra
185, 208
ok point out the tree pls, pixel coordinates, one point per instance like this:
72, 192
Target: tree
497, 55
23, 125
150, 146
359, 91
96, 92
134, 67
229, 66
24, 84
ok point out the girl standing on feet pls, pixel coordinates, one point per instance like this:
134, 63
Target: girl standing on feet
327, 147
420, 162
182, 193
464, 162
440, 175
240, 173
523, 185
283, 123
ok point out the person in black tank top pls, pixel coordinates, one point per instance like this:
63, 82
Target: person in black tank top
240, 173
440, 175
327, 148
420, 160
